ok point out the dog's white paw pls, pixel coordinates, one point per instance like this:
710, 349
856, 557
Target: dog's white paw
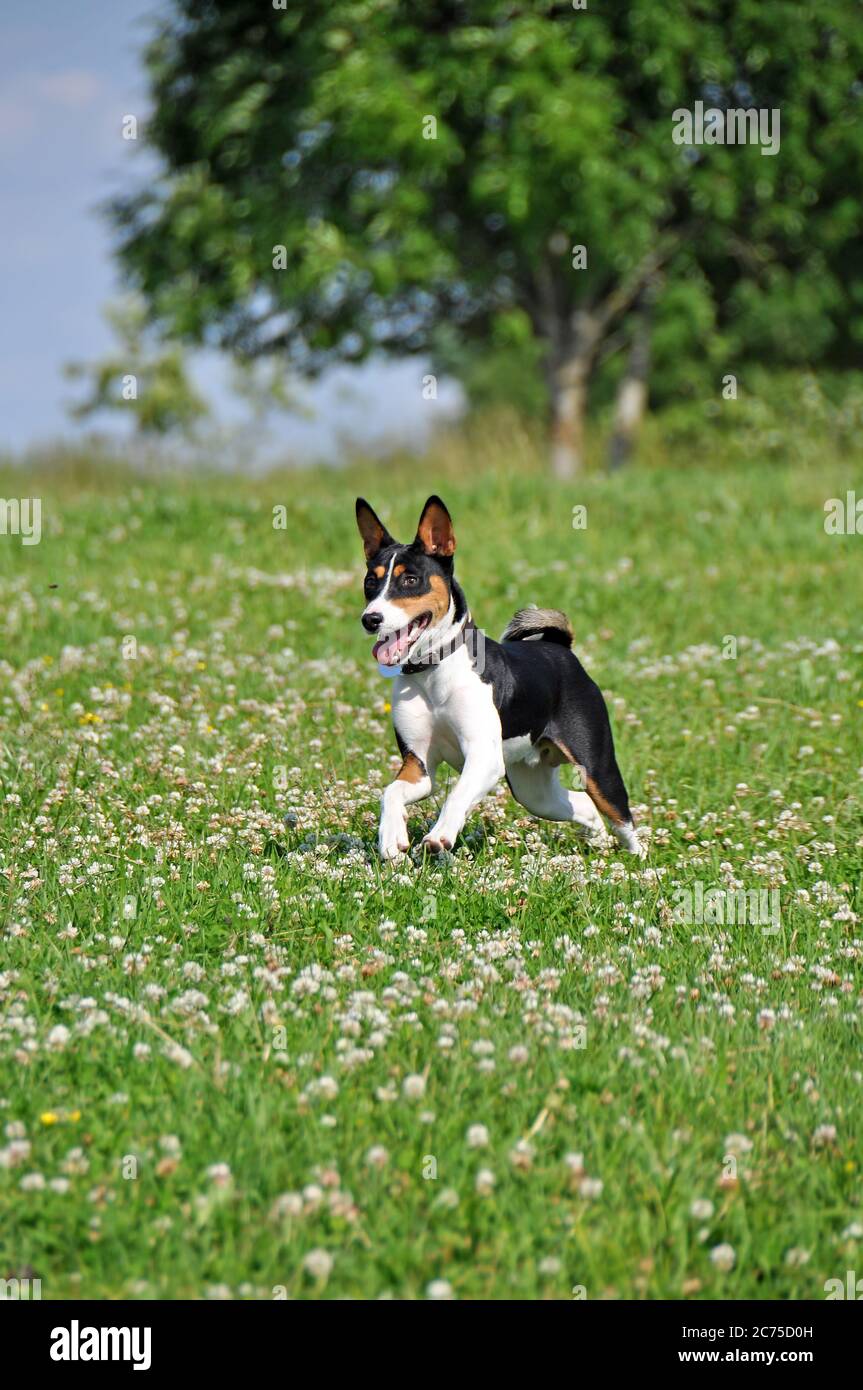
630, 841
393, 839
391, 852
436, 843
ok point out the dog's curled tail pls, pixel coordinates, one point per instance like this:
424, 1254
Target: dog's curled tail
539, 625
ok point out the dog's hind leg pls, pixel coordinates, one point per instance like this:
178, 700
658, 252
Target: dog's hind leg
608, 793
413, 783
539, 791
605, 787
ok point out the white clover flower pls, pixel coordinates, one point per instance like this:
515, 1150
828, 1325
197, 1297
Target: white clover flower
414, 1087
325, 1086
319, 1264
477, 1137
286, 1205
797, 1257
175, 1053
377, 1156
521, 1154
447, 1200
701, 1209
737, 1144
439, 1290
15, 1153
723, 1257
484, 1182
219, 1174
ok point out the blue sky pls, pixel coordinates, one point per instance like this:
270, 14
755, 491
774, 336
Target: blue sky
68, 75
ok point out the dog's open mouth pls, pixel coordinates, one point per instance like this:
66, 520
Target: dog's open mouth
392, 650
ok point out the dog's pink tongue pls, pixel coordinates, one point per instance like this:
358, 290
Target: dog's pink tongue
390, 651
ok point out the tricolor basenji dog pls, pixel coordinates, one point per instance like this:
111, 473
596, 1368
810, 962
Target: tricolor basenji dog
517, 708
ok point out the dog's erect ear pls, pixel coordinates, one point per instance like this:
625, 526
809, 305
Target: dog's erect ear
375, 535
434, 532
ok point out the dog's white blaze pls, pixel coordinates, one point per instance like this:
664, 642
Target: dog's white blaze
393, 616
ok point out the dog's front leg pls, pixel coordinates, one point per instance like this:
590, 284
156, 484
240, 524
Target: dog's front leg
483, 769
413, 783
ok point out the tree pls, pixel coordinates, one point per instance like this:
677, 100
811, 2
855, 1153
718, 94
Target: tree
369, 175
146, 382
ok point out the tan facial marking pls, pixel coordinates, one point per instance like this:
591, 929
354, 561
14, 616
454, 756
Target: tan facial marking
412, 769
399, 569
435, 602
379, 571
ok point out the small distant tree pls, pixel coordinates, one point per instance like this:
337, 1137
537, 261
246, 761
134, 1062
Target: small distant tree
144, 379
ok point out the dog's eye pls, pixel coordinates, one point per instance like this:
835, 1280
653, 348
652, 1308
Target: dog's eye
410, 580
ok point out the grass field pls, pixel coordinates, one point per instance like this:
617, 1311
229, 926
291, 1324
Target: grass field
239, 1058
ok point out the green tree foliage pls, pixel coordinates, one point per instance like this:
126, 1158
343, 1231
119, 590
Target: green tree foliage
147, 382
429, 166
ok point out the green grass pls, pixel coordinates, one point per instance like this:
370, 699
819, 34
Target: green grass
213, 964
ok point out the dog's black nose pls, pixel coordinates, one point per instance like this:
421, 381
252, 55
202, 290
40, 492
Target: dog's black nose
372, 621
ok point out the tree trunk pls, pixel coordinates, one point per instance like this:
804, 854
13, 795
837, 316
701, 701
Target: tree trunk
573, 348
632, 392
569, 406
569, 384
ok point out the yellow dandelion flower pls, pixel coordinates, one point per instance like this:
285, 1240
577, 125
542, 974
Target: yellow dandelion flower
201, 665
49, 1117
387, 706
74, 1116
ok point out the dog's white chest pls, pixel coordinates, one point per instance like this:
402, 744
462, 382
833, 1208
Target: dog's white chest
445, 709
